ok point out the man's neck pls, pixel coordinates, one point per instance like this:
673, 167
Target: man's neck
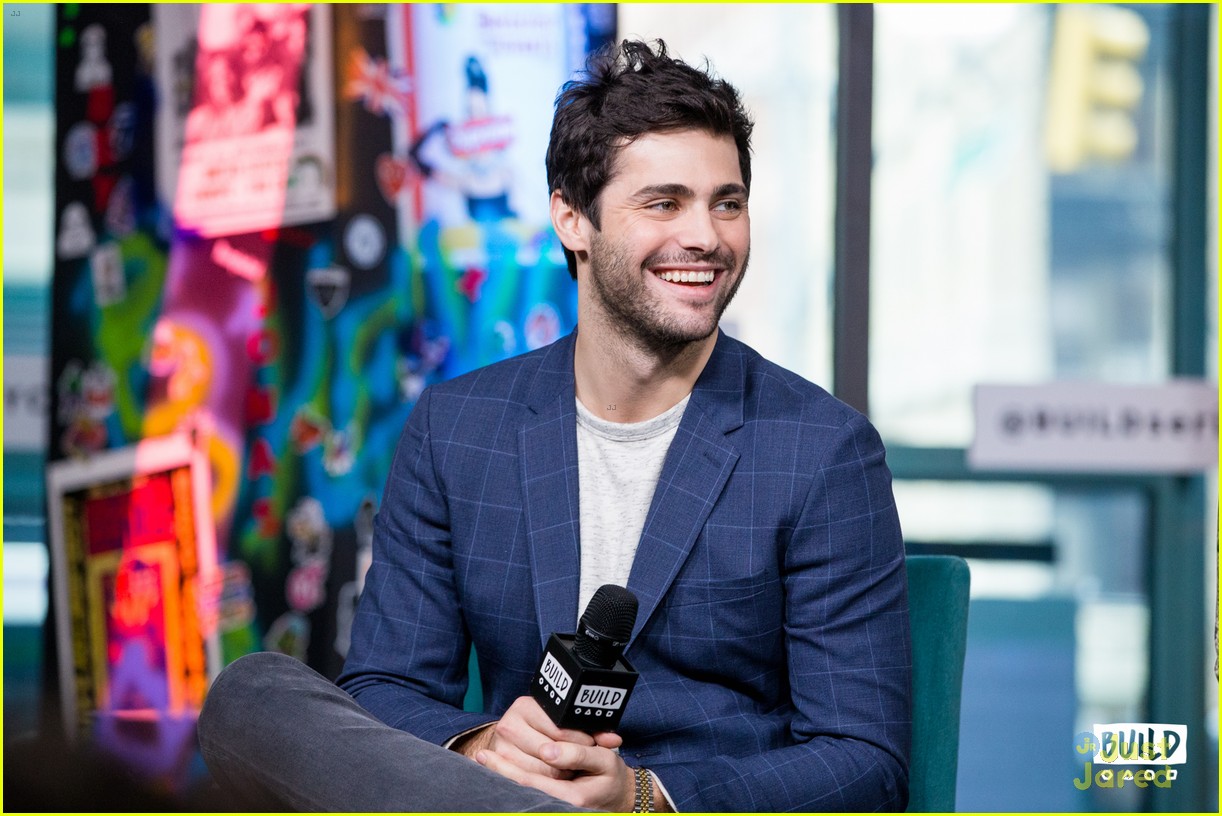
619, 381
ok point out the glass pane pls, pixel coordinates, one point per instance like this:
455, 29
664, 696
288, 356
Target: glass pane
1005, 531
1022, 233
29, 164
783, 60
1058, 627
1020, 228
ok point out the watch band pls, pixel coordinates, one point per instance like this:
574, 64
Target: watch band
643, 800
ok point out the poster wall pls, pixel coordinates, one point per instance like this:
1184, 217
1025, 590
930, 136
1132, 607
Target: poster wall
275, 226
470, 137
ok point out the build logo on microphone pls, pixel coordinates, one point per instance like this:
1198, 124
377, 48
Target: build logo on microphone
1110, 750
599, 701
554, 678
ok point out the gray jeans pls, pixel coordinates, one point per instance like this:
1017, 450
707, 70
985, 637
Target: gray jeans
277, 735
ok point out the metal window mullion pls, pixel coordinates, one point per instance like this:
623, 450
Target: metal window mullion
854, 151
1177, 559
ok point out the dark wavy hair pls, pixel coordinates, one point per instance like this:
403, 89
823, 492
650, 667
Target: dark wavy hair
626, 92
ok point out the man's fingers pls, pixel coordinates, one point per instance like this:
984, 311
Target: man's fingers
512, 772
532, 714
528, 763
564, 755
569, 757
601, 781
527, 726
608, 739
575, 737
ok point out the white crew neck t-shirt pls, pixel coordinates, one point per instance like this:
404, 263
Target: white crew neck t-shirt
618, 465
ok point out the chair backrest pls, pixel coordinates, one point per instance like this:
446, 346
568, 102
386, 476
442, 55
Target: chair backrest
937, 609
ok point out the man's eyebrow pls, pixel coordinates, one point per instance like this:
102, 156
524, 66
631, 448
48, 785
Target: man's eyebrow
683, 191
673, 190
730, 190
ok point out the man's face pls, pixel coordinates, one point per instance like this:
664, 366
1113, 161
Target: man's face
674, 240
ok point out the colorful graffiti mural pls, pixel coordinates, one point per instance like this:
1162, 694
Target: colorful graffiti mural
386, 228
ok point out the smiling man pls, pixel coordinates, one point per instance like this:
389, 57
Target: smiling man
749, 511
656, 265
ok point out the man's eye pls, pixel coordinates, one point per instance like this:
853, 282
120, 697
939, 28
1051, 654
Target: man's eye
729, 205
664, 206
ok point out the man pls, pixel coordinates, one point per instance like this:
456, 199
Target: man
749, 511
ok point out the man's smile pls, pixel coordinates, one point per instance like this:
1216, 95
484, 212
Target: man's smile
690, 277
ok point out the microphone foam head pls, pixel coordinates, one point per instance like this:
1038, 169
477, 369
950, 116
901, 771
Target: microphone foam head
606, 626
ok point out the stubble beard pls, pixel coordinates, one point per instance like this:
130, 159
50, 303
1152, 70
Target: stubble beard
630, 310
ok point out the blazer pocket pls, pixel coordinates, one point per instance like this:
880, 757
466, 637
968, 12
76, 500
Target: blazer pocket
697, 591
729, 627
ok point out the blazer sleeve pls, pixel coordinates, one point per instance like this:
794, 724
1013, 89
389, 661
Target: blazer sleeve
848, 655
407, 663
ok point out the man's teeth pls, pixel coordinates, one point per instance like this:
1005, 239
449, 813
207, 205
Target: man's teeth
687, 277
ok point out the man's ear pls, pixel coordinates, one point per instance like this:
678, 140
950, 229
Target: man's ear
571, 226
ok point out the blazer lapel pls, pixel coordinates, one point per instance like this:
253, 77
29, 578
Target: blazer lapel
547, 450
697, 466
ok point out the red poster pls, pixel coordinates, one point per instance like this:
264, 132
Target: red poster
134, 568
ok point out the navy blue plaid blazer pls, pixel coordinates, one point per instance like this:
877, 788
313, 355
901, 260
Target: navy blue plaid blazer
772, 640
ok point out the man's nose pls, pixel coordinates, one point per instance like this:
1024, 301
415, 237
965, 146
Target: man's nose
698, 231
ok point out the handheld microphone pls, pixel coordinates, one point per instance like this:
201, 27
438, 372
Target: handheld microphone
583, 680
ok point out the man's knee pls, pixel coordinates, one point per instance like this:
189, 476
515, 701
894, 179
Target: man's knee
244, 688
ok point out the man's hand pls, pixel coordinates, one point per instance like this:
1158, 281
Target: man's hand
528, 748
520, 734
588, 776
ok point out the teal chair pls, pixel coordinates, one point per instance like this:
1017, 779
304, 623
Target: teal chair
937, 609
